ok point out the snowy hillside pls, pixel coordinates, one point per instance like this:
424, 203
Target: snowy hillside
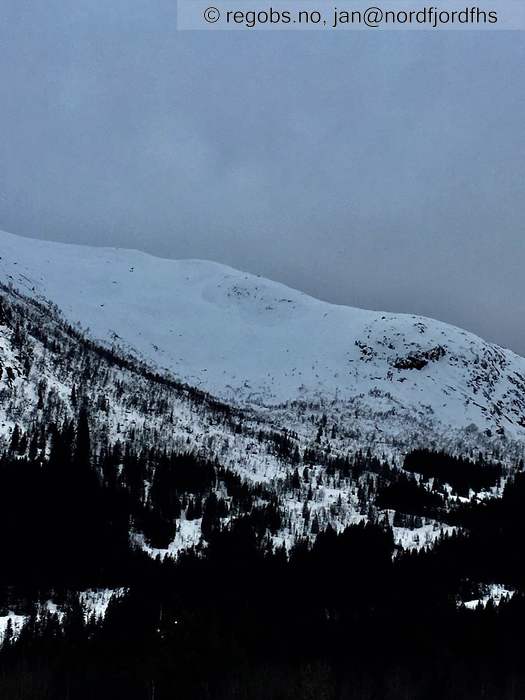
255, 342
296, 467
313, 477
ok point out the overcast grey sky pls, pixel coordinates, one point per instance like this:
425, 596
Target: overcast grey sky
383, 170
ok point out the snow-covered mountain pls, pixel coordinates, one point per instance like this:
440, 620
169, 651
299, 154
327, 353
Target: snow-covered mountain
254, 342
317, 404
48, 370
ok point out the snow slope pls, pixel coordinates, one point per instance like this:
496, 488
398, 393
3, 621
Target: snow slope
252, 341
44, 364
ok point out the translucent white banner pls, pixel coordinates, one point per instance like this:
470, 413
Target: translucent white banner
352, 15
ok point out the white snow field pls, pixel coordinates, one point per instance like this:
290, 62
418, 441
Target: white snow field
252, 341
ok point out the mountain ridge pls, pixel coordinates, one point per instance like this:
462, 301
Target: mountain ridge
322, 461
253, 342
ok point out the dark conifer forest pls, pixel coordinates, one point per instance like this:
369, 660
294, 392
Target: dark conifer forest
348, 616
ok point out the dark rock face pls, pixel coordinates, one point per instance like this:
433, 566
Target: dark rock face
418, 360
